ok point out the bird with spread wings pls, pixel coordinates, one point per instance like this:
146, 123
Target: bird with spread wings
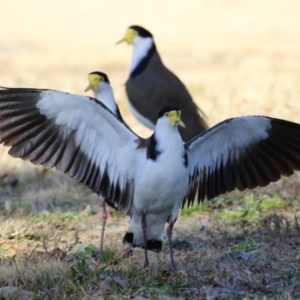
147, 179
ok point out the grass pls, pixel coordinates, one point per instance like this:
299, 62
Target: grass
53, 254
237, 58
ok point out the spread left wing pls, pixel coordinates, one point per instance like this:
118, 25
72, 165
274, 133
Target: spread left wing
242, 153
76, 134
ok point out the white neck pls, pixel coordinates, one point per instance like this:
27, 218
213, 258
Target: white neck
105, 95
141, 46
168, 138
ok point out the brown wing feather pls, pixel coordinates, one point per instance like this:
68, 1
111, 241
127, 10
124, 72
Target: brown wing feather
163, 88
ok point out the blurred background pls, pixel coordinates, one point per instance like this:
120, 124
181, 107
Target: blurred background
236, 57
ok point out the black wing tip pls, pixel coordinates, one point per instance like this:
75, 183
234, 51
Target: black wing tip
5, 89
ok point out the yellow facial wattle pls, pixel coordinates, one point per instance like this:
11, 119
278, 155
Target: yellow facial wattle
174, 117
129, 36
94, 82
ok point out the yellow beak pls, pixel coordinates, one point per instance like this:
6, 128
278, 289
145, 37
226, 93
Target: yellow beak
121, 41
129, 36
175, 118
89, 87
180, 123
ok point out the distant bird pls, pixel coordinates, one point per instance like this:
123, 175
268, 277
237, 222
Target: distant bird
151, 86
100, 85
80, 136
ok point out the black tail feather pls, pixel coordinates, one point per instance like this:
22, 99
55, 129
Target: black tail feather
152, 245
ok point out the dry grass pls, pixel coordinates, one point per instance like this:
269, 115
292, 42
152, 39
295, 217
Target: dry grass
237, 58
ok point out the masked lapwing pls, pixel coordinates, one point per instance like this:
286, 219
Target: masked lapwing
100, 85
80, 136
151, 86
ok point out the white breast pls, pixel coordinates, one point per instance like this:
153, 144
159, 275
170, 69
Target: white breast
140, 117
106, 96
163, 183
141, 47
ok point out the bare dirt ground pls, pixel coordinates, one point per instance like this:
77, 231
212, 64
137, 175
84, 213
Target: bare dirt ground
236, 58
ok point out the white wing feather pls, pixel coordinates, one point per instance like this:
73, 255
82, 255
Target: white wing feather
242, 153
226, 140
102, 140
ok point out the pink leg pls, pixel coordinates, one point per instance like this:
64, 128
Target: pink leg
104, 217
169, 235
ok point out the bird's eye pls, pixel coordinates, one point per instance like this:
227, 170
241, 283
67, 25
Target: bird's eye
166, 114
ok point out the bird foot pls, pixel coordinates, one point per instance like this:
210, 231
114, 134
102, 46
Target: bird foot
127, 253
146, 264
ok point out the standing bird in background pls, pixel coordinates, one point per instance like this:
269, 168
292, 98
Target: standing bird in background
100, 85
151, 86
81, 137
